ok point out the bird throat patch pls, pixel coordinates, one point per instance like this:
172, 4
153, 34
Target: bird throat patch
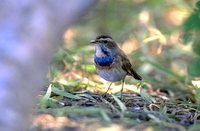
103, 61
99, 53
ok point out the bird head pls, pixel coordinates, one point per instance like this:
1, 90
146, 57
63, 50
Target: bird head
104, 41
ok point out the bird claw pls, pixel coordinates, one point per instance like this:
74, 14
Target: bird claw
104, 95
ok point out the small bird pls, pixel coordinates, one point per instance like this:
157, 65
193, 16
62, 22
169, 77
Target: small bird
111, 62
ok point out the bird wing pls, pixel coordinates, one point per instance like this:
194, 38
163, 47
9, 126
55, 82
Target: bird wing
127, 67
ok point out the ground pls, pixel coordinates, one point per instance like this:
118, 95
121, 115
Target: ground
88, 109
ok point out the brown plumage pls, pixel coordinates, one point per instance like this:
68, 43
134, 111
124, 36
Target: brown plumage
126, 66
111, 62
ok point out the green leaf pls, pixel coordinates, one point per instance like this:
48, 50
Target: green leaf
46, 101
65, 94
48, 93
119, 102
192, 22
80, 111
196, 46
187, 37
74, 83
146, 96
197, 95
105, 116
193, 67
191, 25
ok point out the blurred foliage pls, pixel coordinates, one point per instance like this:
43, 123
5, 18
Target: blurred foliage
161, 38
191, 34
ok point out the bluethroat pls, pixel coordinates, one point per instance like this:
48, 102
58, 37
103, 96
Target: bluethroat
111, 62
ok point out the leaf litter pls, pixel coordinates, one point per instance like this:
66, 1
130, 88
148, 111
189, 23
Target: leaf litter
89, 110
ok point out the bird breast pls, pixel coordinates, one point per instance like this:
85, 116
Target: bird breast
112, 74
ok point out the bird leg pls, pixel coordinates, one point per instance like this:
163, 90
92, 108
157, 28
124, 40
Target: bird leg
107, 89
122, 87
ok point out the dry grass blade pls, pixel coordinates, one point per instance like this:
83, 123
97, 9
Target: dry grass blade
48, 93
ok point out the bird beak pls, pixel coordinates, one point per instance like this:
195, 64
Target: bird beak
93, 41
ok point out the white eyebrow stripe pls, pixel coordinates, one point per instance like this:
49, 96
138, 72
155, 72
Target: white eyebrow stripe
108, 39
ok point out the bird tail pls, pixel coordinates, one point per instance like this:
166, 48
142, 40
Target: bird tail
135, 75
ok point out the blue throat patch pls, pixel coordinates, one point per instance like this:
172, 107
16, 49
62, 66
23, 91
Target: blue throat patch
103, 61
106, 60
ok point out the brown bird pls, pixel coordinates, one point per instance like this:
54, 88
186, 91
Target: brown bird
111, 62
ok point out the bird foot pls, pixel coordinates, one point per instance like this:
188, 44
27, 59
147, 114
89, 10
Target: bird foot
104, 95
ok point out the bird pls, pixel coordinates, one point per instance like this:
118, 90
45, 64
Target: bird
111, 62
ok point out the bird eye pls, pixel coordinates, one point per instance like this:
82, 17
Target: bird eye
105, 41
